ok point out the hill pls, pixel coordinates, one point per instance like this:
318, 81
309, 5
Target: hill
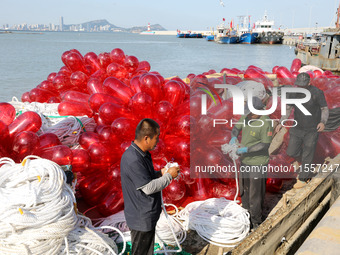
104, 26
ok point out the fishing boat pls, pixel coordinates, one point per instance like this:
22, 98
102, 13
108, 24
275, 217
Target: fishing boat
188, 34
245, 33
210, 38
226, 35
322, 51
266, 32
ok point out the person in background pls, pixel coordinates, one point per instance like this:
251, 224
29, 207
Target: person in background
255, 141
142, 186
304, 136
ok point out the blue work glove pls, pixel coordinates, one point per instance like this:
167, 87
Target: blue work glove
232, 140
242, 150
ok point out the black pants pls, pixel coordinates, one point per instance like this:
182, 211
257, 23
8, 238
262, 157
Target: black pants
252, 191
142, 242
302, 143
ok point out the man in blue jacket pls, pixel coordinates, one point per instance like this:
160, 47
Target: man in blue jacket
142, 186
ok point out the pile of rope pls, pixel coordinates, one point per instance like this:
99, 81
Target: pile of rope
69, 128
40, 108
168, 227
219, 221
118, 221
38, 213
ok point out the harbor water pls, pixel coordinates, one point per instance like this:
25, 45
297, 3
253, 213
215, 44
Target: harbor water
28, 58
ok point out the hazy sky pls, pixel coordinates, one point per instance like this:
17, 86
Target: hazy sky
171, 14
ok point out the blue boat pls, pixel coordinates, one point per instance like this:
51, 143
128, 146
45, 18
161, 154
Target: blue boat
246, 35
183, 35
225, 35
189, 34
210, 38
227, 39
248, 38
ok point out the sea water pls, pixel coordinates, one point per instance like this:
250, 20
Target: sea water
26, 59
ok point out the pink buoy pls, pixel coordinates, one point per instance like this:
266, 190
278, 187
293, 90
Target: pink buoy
117, 88
81, 160
28, 121
131, 63
24, 144
7, 113
284, 76
141, 104
118, 56
91, 59
117, 70
108, 112
48, 140
41, 95
104, 60
98, 99
88, 138
79, 79
173, 93
296, 65
95, 86
151, 85
144, 65
75, 96
74, 109
60, 154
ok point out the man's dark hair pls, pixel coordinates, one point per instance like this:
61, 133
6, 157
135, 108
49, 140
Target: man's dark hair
146, 127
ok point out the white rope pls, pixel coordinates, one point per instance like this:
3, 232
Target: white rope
219, 221
43, 108
231, 150
69, 129
169, 231
37, 213
118, 221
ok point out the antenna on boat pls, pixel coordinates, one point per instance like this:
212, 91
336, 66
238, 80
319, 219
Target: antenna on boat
337, 25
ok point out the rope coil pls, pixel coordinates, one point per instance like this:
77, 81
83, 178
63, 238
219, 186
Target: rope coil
38, 216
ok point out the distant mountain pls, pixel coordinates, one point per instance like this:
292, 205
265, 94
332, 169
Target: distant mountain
103, 25
155, 27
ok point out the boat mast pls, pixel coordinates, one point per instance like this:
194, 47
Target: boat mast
337, 25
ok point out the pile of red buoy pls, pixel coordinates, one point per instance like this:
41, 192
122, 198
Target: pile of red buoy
117, 91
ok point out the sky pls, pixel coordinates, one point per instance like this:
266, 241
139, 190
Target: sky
171, 14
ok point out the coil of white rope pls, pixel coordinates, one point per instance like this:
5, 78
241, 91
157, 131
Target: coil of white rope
69, 128
43, 108
219, 221
118, 221
38, 213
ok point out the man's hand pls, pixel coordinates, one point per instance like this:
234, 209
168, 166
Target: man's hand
174, 171
278, 128
163, 170
320, 127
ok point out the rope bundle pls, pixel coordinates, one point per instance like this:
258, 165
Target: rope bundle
38, 215
69, 128
219, 221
